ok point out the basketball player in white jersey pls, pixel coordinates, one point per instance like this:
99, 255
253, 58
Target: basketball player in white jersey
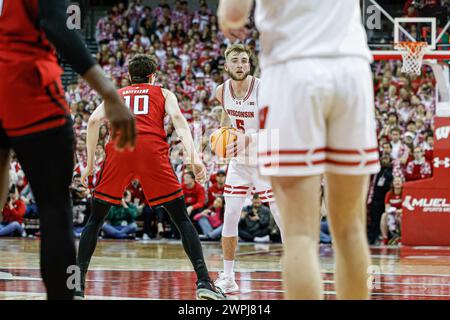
317, 88
238, 97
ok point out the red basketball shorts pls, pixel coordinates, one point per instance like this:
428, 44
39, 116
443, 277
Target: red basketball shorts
31, 98
149, 163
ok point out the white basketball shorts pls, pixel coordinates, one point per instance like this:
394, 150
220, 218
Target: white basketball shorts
244, 180
317, 116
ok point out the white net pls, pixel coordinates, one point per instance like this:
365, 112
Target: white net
412, 53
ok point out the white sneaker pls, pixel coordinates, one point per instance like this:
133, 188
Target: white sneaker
145, 237
226, 283
264, 239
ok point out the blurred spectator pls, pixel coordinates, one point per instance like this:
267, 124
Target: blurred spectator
418, 168
391, 218
120, 222
81, 205
13, 214
194, 194
380, 185
254, 224
162, 219
218, 188
399, 149
211, 220
428, 146
137, 194
27, 197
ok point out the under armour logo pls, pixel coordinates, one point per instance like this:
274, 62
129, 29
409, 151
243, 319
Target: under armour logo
437, 162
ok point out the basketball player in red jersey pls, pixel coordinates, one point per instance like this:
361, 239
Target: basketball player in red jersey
35, 121
149, 163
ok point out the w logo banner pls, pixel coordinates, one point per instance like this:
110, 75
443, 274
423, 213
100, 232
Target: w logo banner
442, 133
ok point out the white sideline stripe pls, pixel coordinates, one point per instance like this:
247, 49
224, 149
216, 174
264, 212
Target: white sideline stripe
43, 296
14, 278
373, 294
427, 257
431, 248
243, 271
267, 280
5, 275
23, 279
382, 256
258, 251
382, 283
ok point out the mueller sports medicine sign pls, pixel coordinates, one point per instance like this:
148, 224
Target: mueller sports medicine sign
426, 204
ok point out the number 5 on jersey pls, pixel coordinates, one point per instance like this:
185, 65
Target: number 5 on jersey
240, 125
138, 104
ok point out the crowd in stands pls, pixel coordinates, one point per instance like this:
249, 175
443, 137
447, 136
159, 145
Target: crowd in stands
190, 49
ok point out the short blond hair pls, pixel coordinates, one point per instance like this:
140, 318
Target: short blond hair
238, 48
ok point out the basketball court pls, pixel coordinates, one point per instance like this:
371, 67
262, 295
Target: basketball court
159, 270
418, 269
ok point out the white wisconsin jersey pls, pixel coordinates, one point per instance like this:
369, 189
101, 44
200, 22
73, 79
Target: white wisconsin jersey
310, 28
243, 113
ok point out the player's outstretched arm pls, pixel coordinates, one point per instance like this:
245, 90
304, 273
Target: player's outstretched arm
184, 133
232, 16
234, 13
92, 134
120, 117
52, 19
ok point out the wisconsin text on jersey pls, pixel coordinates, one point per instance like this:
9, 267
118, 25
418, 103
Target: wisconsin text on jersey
241, 114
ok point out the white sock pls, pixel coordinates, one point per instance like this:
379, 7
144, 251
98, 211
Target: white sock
228, 266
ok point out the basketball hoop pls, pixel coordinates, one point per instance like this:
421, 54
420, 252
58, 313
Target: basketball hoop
412, 54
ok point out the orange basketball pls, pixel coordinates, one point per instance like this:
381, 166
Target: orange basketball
219, 140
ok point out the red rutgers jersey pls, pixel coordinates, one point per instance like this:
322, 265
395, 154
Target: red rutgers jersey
20, 35
147, 103
149, 162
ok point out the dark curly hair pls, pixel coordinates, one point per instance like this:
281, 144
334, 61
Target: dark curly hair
140, 67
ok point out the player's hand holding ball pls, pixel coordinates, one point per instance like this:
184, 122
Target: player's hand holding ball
239, 145
220, 140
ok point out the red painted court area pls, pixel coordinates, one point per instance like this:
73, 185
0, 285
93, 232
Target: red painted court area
400, 274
